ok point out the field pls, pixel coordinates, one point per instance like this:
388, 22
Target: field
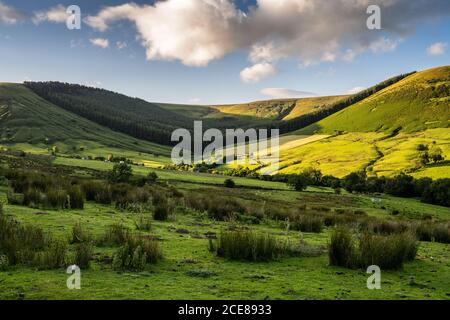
189, 271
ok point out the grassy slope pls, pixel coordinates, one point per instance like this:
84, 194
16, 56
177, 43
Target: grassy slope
31, 123
308, 105
281, 109
418, 102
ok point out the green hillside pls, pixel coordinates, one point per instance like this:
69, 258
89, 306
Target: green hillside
308, 105
419, 102
32, 123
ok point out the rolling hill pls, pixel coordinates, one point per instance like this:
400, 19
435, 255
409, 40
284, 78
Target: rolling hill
31, 123
377, 130
420, 101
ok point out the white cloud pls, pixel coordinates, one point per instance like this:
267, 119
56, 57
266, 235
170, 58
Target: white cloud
197, 32
121, 45
56, 14
437, 49
257, 72
356, 90
282, 93
10, 15
100, 42
383, 45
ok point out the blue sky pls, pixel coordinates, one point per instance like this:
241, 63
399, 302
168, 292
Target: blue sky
310, 57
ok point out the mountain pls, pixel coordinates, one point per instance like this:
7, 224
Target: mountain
420, 101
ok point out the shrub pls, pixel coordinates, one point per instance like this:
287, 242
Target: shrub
387, 252
53, 257
32, 197
307, 223
19, 243
56, 199
135, 253
341, 250
75, 198
229, 183
14, 198
162, 212
120, 173
428, 231
224, 209
116, 234
83, 255
79, 235
248, 245
143, 223
4, 262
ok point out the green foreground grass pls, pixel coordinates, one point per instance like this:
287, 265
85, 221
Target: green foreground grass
186, 255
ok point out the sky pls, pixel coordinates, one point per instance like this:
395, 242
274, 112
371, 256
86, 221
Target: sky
222, 51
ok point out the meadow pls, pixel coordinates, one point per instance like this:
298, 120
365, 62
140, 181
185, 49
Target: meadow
191, 269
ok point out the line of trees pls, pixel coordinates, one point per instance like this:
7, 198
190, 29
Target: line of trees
402, 185
132, 116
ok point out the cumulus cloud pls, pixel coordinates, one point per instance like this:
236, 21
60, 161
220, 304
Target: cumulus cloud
9, 15
56, 14
257, 72
283, 93
197, 32
437, 49
100, 42
355, 90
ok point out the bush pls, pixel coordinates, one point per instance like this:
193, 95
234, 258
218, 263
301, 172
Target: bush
32, 198
79, 235
387, 252
307, 223
83, 255
248, 245
4, 262
116, 234
428, 231
120, 173
143, 223
224, 209
56, 199
53, 257
135, 253
19, 243
229, 183
75, 198
162, 212
341, 250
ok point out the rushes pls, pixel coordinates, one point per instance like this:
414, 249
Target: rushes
385, 251
248, 245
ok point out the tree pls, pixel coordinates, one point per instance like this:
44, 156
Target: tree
355, 182
298, 182
435, 154
121, 172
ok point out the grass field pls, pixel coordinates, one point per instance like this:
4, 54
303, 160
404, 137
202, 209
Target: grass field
189, 271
